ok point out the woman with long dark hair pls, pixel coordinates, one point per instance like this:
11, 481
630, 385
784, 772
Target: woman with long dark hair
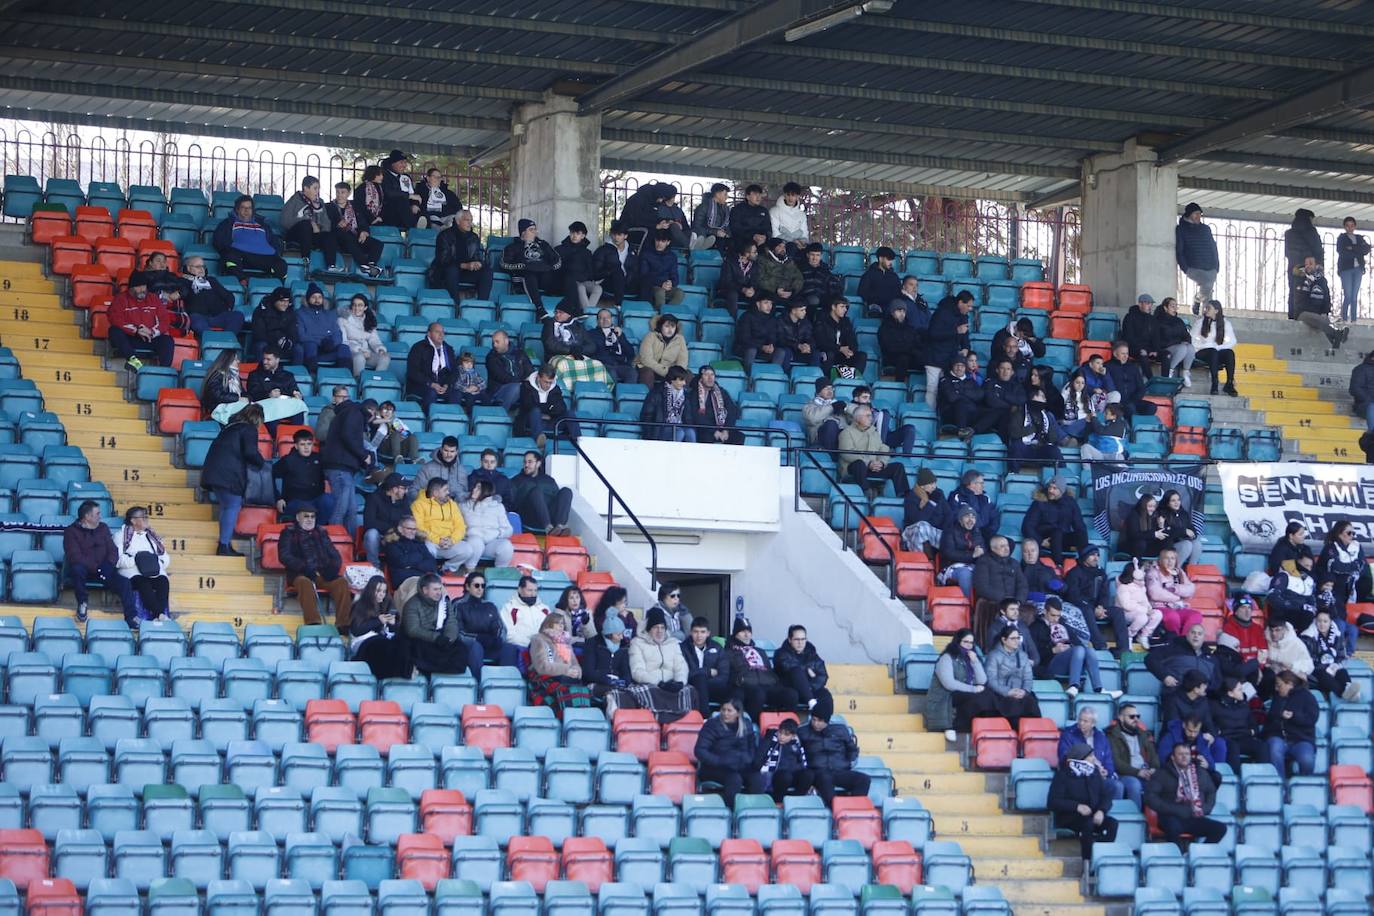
1214, 339
377, 638
572, 604
614, 600
958, 691
226, 469
1178, 525
1142, 535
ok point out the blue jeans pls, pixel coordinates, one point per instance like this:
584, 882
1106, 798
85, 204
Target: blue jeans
963, 577
322, 504
1072, 663
1132, 789
1350, 292
1282, 752
341, 486
229, 506
314, 350
508, 395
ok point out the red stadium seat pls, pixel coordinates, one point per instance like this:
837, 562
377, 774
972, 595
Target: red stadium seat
566, 554
672, 775
1037, 294
115, 253
1086, 348
422, 857
1066, 325
284, 442
329, 723
797, 863
68, 251
857, 819
896, 862
184, 348
949, 608
532, 859
23, 857
1165, 405
252, 519
587, 859
137, 226
593, 585
46, 225
742, 861
994, 743
343, 543
446, 814
636, 732
1351, 785
1039, 738
871, 543
175, 406
146, 247
90, 284
1190, 440
681, 735
771, 720
486, 727
381, 723
94, 223
915, 574
53, 897
1076, 298
267, 535
527, 550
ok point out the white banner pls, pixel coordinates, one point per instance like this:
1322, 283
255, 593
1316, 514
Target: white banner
1261, 499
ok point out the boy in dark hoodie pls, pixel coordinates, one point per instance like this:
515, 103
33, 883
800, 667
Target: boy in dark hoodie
899, 343
274, 325
711, 219
756, 335
658, 271
880, 284
580, 286
318, 332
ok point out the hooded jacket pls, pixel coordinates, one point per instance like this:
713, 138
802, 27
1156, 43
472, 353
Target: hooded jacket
1302, 241
522, 620
944, 342
298, 210
786, 660
816, 412
748, 220
577, 260
1087, 588
831, 750
1194, 246
344, 449
1290, 650
989, 516
1071, 734
1008, 671
1362, 385
1140, 331
1068, 790
1245, 640
789, 223
725, 747
1062, 514
660, 354
957, 544
228, 459
1171, 329
654, 663
566, 339
878, 286
656, 267
1168, 591
478, 618
898, 342
319, 325
713, 658
435, 467
550, 404
1302, 725
438, 520
1172, 734
862, 445
486, 519
381, 513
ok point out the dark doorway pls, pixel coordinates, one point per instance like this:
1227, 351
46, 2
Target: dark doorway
707, 595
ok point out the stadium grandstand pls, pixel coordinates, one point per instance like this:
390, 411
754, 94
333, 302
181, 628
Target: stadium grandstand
686, 457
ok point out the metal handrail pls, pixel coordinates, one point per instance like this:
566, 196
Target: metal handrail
850, 504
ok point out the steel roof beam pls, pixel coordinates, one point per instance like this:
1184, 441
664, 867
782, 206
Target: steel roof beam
835, 154
1260, 189
1334, 97
1296, 163
1329, 135
1208, 14
769, 19
1059, 197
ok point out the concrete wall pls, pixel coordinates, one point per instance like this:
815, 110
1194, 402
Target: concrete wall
1130, 208
555, 167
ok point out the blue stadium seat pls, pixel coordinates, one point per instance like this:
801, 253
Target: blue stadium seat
53, 808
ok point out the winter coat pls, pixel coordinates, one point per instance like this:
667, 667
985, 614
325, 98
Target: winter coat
1127, 379
600, 665
735, 278
1283, 552
89, 548
394, 185
1043, 515
407, 557
1171, 329
956, 545
212, 300
298, 477
1176, 658
703, 416
879, 287
659, 354
509, 368
899, 343
1351, 251
1302, 726
298, 210
420, 617
606, 263
381, 513
713, 658
455, 475
292, 550
223, 238
486, 519
1362, 386
710, 216
448, 203
521, 620
655, 663
641, 207
1138, 535
1121, 749
1302, 241
355, 335
1029, 347
1168, 591
318, 325
437, 520
786, 660
478, 618
1071, 734
754, 330
550, 405
949, 679
654, 411
773, 275
577, 260
789, 223
1291, 651
229, 457
576, 345
1068, 790
1086, 588
344, 450
936, 512
989, 516
820, 283
1008, 671
725, 747
944, 342
538, 257
956, 389
1194, 246
831, 750
863, 445
1173, 735
273, 327
830, 334
262, 382
545, 662
748, 220
816, 413
656, 268
741, 674
1161, 794
1233, 719
1313, 294
1133, 599
420, 367
1245, 640
1139, 330
1199, 342
452, 247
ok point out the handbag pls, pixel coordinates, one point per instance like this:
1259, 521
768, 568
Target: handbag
147, 564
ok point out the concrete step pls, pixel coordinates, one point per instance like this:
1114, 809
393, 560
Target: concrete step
1041, 891
29, 295
995, 868
1011, 847
981, 803
881, 742
880, 723
860, 679
914, 764
930, 785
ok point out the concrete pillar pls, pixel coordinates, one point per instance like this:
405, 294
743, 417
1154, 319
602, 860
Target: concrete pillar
555, 167
1130, 207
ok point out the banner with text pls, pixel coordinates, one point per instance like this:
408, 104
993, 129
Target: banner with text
1118, 487
1261, 499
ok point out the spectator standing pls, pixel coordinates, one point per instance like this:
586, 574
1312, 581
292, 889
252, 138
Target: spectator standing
711, 219
298, 478
754, 680
305, 224
708, 666
358, 331
1351, 251
1300, 242
523, 612
246, 242
431, 366
610, 347
209, 305
140, 322
1195, 250
1235, 724
710, 411
1290, 728
351, 235
88, 552
311, 560
778, 275
383, 511
345, 456
554, 673
831, 752
538, 499
660, 350
1080, 799
1011, 677
880, 284
1133, 752
958, 690
946, 338
836, 344
1182, 794
898, 342
1173, 661
1213, 339
1326, 645
658, 271
750, 220
432, 628
488, 529
532, 260
801, 667
1169, 589
376, 639
460, 258
480, 625
440, 521
228, 462
142, 558
367, 202
725, 750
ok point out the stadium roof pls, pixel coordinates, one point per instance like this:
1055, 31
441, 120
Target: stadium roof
1263, 104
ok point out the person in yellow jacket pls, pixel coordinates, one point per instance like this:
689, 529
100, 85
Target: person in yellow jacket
660, 350
441, 523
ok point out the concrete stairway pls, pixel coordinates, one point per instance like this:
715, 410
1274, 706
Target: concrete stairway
132, 462
1010, 851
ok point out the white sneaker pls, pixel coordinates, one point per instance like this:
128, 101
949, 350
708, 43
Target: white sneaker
1071, 692
1115, 694
951, 736
1187, 378
1351, 692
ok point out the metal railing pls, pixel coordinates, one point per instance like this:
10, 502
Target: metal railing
849, 504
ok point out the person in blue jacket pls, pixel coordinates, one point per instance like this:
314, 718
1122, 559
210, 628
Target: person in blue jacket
1196, 252
318, 332
658, 271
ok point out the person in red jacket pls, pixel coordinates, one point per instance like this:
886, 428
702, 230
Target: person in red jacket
1241, 646
141, 321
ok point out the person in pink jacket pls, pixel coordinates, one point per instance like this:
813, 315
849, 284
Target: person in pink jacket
1141, 616
1169, 589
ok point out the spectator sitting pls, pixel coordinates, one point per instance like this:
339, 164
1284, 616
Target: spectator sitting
606, 663
1011, 677
1080, 798
358, 330
1055, 520
1235, 724
390, 438
677, 615
225, 474
1096, 380
274, 325
958, 690
1340, 570
665, 409
383, 511
488, 527
1312, 301
835, 343
542, 407
312, 560
1129, 382
1177, 523
711, 219
615, 265
1133, 752
738, 278
567, 349
298, 477
1084, 730
1060, 652
800, 667
1142, 530
961, 544
531, 260
1191, 701
507, 369
1182, 793
160, 279
778, 277
959, 398
431, 626
1290, 728
438, 204
613, 603
555, 676
209, 305
725, 750
444, 465
902, 437
661, 350
401, 202
406, 554
946, 338
459, 258
538, 499
824, 417
271, 386
754, 680
88, 552
996, 577
756, 335
926, 513
1140, 333
1020, 363
863, 454
431, 366
781, 762
487, 470
819, 283
1106, 436
1326, 645
1240, 642
350, 232
245, 240
140, 322
523, 612
1085, 586
658, 271
1142, 617
608, 345
708, 666
1172, 661
1000, 394
1028, 346
481, 627
1174, 341
917, 312
1286, 652
659, 670
880, 284
710, 411
1214, 342
572, 604
899, 344
831, 752
440, 521
1169, 589
305, 224
142, 558
367, 203
1033, 433
750, 221
1291, 546
668, 215
376, 640
788, 217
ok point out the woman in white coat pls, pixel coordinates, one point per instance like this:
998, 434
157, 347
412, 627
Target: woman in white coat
143, 560
359, 329
1214, 339
488, 526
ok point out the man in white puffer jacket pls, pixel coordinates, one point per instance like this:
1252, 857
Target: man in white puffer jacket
789, 221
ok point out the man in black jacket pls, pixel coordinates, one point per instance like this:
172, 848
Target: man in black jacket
438, 205
756, 335
1362, 389
406, 554
615, 265
401, 202
782, 764
1290, 728
460, 259
507, 369
801, 667
581, 288
209, 304
532, 260
898, 342
880, 284
1080, 798
1129, 382
820, 285
431, 365
1196, 253
708, 665
749, 221
299, 478
836, 344
271, 380
1141, 333
795, 335
382, 513
1001, 394
542, 406
344, 457
831, 752
480, 625
946, 338
312, 560
612, 348
1086, 587
1182, 794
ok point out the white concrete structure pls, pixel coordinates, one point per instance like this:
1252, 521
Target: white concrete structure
1129, 214
555, 166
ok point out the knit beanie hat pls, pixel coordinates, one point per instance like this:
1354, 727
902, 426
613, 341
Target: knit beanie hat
741, 624
523, 225
655, 617
1079, 751
1193, 207
312, 289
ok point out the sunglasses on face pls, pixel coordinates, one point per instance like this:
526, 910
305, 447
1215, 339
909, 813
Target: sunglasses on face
674, 595
477, 585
